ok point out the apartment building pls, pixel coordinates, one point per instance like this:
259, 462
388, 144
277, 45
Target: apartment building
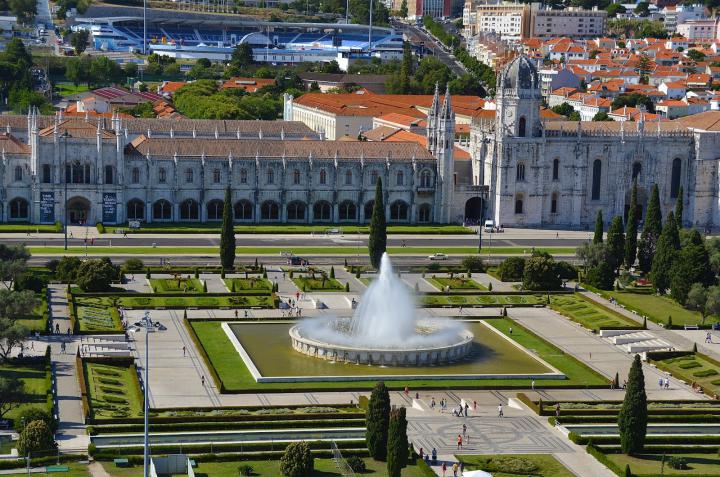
420, 8
571, 23
699, 30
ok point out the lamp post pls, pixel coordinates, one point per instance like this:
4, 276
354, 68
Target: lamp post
65, 137
146, 441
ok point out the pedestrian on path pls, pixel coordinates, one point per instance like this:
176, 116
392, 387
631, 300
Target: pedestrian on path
57, 328
500, 410
184, 351
466, 409
464, 429
203, 380
459, 442
660, 382
474, 405
444, 469
455, 469
557, 410
667, 383
533, 385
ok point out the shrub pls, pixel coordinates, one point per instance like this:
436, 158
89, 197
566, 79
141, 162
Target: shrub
245, 470
37, 436
601, 276
332, 272
33, 414
472, 264
567, 271
67, 269
489, 287
511, 269
297, 461
96, 275
356, 464
705, 374
31, 281
511, 465
52, 264
100, 227
133, 265
347, 286
677, 463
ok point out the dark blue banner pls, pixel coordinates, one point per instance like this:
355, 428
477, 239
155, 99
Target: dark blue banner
47, 207
109, 208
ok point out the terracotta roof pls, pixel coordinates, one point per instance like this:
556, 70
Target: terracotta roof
9, 144
251, 85
672, 103
265, 149
77, 127
380, 133
403, 119
171, 86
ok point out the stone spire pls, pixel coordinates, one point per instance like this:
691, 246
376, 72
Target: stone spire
447, 111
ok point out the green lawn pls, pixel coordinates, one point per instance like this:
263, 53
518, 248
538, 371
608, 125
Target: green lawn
175, 285
589, 314
506, 465
323, 468
25, 228
317, 283
292, 229
38, 320
68, 89
455, 283
656, 308
483, 300
36, 380
189, 301
113, 390
238, 285
75, 470
93, 319
696, 368
700, 465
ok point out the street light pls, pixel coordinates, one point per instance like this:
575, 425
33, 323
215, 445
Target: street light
146, 444
65, 135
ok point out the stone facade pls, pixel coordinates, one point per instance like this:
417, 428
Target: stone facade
559, 174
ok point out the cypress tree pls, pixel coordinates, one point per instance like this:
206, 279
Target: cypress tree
227, 234
377, 419
598, 237
631, 230
397, 445
665, 255
633, 416
616, 242
651, 231
679, 208
377, 242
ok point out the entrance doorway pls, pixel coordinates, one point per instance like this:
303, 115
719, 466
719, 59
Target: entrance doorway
473, 210
78, 210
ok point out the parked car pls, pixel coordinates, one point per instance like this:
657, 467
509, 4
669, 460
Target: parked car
438, 256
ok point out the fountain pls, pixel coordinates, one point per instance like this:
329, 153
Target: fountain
384, 330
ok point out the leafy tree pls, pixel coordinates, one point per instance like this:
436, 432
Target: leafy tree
651, 231
131, 69
633, 100
712, 305
30, 414
79, 40
227, 234
697, 299
24, 10
632, 419
67, 269
13, 263
696, 55
242, 56
642, 9
377, 241
679, 208
511, 269
12, 393
472, 263
540, 274
631, 229
599, 225
601, 276
397, 445
564, 109
692, 266
96, 275
664, 256
104, 71
37, 436
614, 8
377, 419
12, 334
616, 243
403, 9
77, 70
602, 116
17, 304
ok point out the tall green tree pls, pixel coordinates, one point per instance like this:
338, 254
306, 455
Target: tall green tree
227, 233
599, 226
403, 9
397, 446
616, 242
377, 241
377, 419
665, 255
632, 419
651, 231
692, 266
679, 208
631, 229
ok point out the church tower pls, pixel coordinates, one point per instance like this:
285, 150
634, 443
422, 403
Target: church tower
443, 145
432, 120
518, 100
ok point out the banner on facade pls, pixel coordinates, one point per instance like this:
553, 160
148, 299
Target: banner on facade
109, 206
47, 207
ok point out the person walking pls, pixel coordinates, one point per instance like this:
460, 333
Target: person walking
532, 385
557, 410
500, 410
455, 469
660, 382
466, 409
464, 430
444, 469
459, 442
202, 379
184, 351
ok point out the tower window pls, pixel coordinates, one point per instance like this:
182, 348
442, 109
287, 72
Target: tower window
597, 171
675, 179
556, 169
521, 127
520, 172
637, 168
519, 204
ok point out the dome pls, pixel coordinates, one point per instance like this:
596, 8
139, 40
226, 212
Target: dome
520, 73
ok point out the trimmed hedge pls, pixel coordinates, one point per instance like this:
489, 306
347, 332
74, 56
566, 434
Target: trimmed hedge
227, 426
40, 461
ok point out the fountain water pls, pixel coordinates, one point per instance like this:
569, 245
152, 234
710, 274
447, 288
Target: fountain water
385, 329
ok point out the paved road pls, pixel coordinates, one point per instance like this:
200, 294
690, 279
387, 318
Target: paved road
437, 49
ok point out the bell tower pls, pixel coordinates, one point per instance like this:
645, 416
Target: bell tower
518, 100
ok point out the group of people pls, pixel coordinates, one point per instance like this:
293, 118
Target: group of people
664, 383
431, 459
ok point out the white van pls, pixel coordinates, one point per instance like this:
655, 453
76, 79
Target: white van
489, 226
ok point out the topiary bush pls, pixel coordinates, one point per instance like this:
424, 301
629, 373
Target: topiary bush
297, 461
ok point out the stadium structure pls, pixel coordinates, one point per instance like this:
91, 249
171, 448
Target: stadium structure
272, 42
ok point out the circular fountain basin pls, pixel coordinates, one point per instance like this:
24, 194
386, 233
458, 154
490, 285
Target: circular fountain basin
412, 356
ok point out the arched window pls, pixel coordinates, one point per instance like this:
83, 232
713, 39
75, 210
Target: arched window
243, 176
243, 210
597, 172
215, 209
424, 213
554, 203
270, 210
46, 174
373, 177
675, 178
348, 177
270, 176
189, 175
296, 176
399, 178
323, 176
18, 209
136, 210
18, 173
348, 211
77, 173
162, 210
162, 175
520, 172
109, 179
189, 210
637, 168
399, 211
322, 211
216, 176
135, 175
296, 210
519, 204
556, 169
368, 210
521, 126
425, 179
